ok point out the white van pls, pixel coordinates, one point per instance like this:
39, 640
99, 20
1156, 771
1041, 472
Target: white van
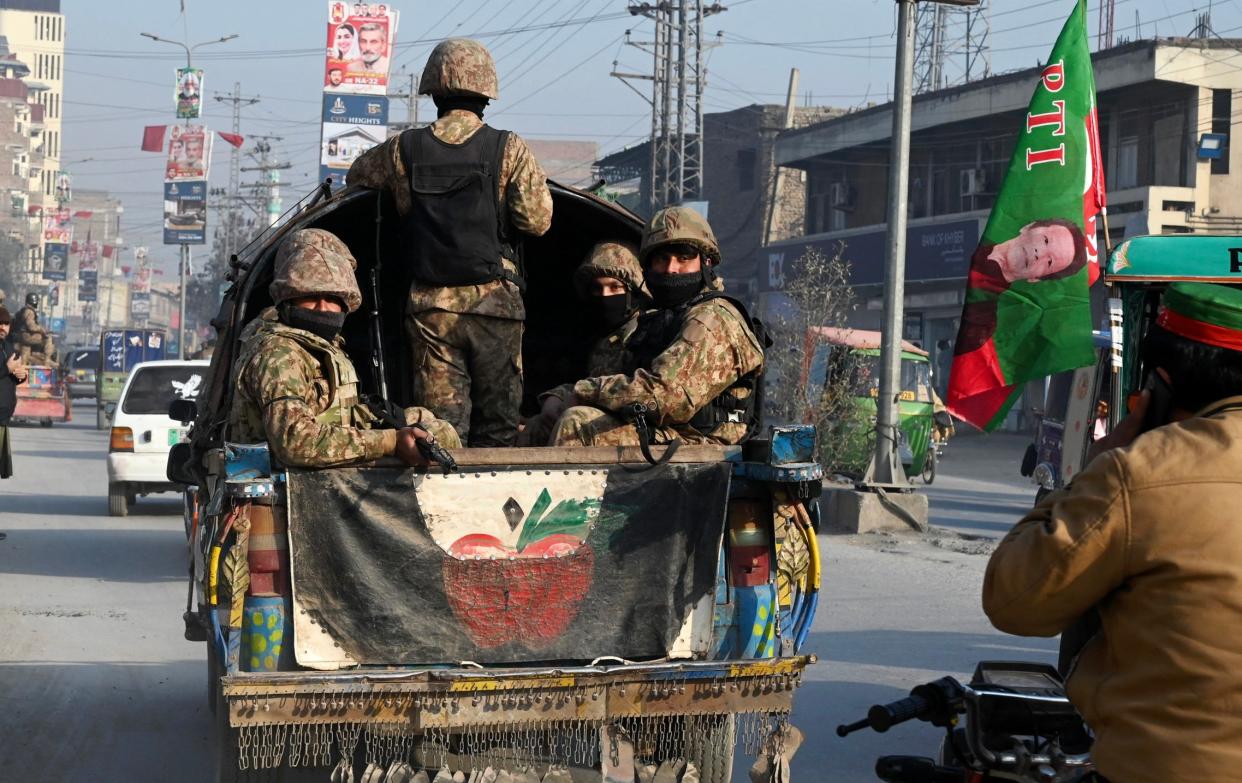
142, 432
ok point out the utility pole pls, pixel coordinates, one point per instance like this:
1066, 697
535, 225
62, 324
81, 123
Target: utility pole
778, 180
678, 79
410, 96
267, 189
234, 193
885, 468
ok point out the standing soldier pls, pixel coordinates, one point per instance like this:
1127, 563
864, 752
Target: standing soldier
465, 192
296, 387
29, 335
695, 362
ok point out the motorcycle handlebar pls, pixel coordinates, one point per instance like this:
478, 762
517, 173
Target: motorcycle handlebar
882, 717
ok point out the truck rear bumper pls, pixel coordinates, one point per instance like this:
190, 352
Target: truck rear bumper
453, 699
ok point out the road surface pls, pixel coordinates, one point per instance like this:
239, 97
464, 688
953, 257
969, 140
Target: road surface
98, 683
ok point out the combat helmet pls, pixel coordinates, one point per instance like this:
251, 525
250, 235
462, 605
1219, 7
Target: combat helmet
460, 66
612, 258
32, 299
315, 262
679, 226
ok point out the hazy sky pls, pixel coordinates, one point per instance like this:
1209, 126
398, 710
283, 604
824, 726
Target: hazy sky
554, 79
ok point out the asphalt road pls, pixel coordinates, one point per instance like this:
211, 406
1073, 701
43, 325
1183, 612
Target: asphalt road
97, 683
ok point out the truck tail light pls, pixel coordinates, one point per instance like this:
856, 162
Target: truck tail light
122, 439
750, 543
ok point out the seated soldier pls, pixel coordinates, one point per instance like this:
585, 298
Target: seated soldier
610, 284
296, 387
694, 362
34, 344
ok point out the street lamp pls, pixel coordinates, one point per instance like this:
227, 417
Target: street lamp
185, 248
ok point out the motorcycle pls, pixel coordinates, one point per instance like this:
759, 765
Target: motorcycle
1019, 726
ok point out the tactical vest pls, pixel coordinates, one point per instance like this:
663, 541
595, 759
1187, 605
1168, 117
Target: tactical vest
456, 230
344, 407
742, 402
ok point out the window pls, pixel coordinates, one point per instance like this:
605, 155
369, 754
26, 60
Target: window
746, 169
1222, 112
1125, 173
152, 389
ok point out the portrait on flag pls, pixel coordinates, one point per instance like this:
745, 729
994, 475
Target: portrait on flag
1027, 312
189, 93
359, 46
189, 152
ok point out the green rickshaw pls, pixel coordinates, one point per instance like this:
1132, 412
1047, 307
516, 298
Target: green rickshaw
1139, 269
832, 353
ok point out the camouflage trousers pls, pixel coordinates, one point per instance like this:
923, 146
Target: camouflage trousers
32, 342
583, 425
439, 429
468, 371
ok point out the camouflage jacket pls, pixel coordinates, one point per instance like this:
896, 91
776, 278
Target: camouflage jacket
608, 356
299, 392
524, 198
27, 322
711, 352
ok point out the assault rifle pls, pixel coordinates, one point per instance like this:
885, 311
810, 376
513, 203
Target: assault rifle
380, 404
393, 416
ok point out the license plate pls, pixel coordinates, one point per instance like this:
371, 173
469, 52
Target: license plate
175, 437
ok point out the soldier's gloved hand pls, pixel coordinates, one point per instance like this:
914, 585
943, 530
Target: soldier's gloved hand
407, 447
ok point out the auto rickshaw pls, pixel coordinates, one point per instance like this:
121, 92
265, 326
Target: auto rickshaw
1138, 271
831, 353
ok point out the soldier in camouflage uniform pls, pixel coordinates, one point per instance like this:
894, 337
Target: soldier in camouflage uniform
695, 361
296, 387
33, 342
610, 284
465, 313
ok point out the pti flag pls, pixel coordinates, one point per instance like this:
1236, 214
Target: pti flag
1027, 313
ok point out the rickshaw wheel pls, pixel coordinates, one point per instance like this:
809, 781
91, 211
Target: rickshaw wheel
929, 465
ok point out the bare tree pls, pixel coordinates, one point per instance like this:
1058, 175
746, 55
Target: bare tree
810, 380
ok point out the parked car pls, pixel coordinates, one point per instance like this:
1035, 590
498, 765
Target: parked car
142, 432
80, 367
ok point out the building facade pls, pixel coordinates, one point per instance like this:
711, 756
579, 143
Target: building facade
1155, 101
740, 185
35, 31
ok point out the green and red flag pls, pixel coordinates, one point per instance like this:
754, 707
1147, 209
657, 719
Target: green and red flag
1027, 313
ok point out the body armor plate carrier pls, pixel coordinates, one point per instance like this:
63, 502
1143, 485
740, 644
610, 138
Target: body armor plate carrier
456, 230
741, 402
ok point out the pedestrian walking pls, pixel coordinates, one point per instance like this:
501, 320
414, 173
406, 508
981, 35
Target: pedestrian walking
12, 372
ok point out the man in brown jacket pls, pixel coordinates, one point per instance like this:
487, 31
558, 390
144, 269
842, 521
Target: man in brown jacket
1149, 537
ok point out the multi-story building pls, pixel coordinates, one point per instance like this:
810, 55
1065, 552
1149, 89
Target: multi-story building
21, 162
1156, 99
739, 183
35, 31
